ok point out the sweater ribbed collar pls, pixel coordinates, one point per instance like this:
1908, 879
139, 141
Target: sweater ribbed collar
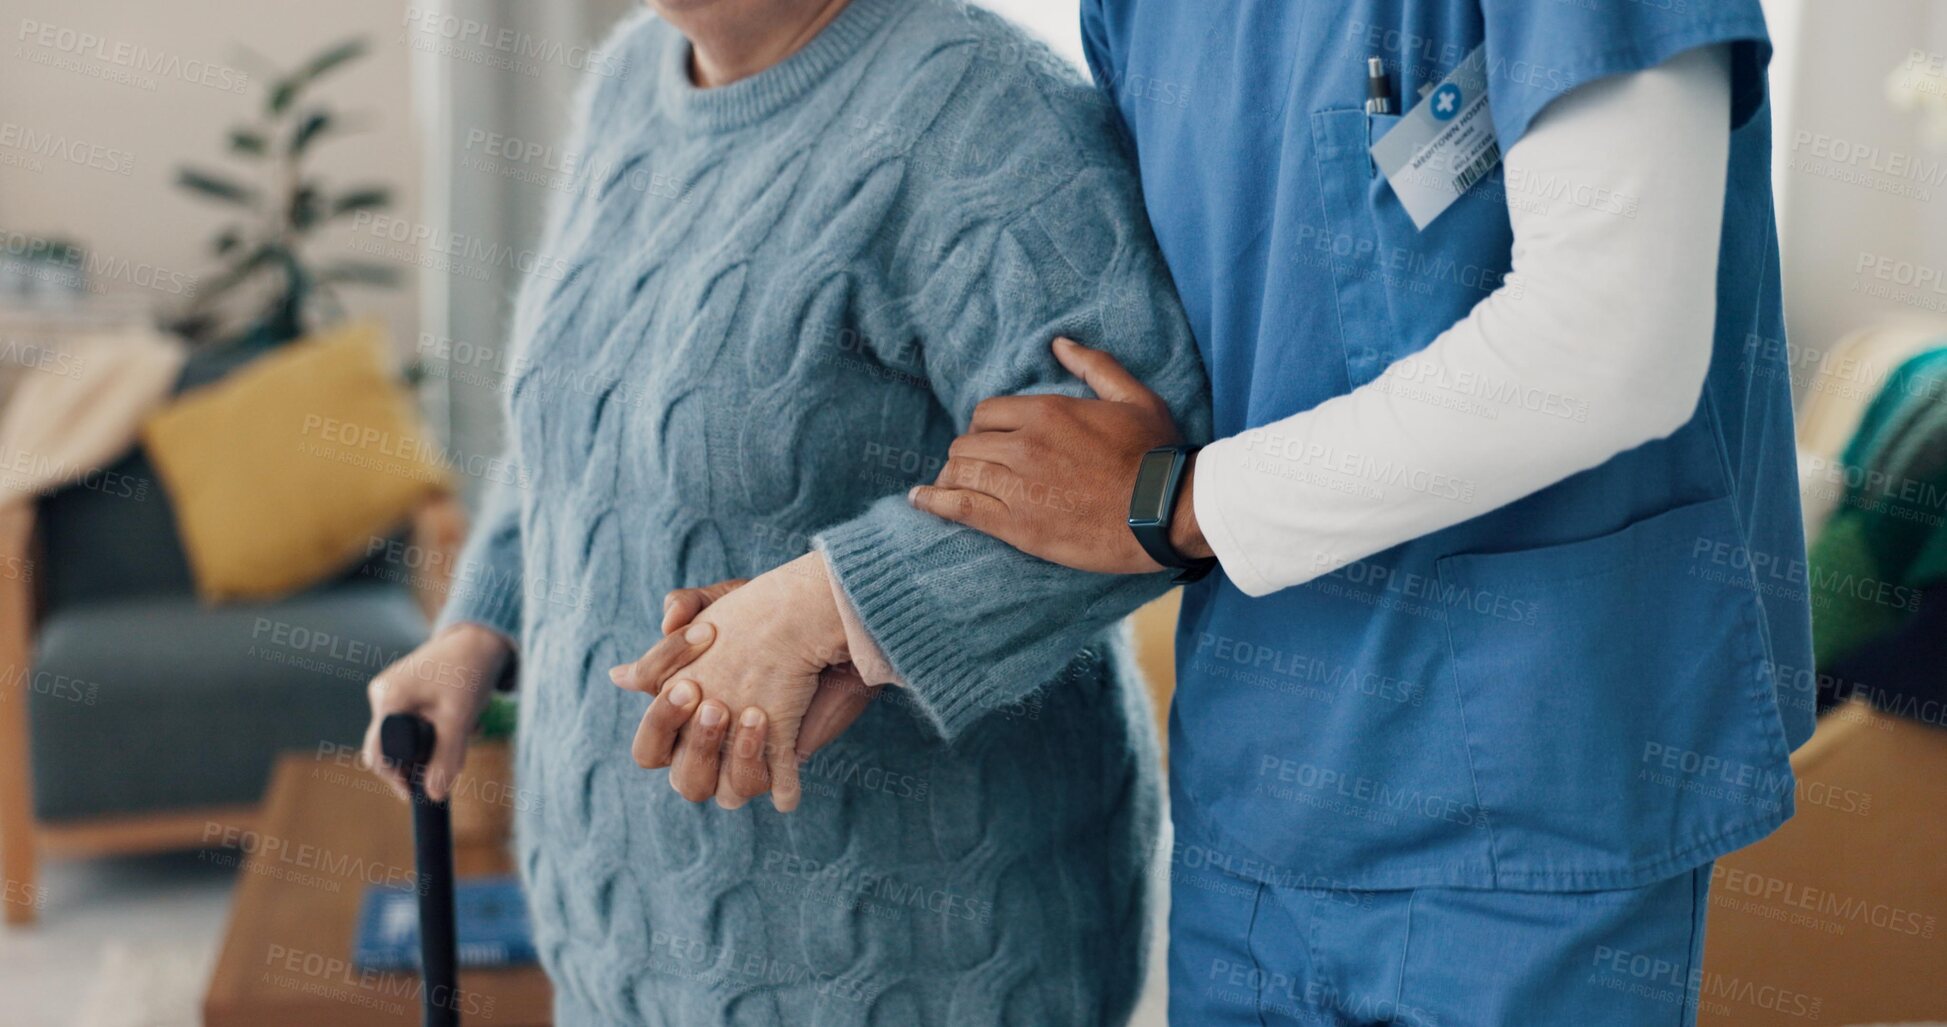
750, 100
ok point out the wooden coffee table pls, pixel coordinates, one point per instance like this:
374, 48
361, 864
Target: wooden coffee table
328, 832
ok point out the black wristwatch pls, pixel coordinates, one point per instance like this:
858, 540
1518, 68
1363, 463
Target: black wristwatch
1152, 506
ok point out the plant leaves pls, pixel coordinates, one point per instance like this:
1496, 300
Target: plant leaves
498, 720
307, 209
347, 50
216, 186
308, 130
360, 272
247, 141
282, 92
370, 197
286, 90
197, 328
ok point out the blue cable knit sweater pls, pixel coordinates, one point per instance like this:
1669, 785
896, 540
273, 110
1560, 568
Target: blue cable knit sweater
768, 309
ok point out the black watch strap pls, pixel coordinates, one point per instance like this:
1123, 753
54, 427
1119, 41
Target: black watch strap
1152, 508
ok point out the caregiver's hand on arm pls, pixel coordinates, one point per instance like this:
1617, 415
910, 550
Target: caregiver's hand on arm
972, 624
1051, 475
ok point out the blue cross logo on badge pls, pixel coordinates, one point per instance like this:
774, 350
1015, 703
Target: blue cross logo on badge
1446, 102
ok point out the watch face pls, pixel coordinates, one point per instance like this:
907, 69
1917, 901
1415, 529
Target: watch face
1152, 479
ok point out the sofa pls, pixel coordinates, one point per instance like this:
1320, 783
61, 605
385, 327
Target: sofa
134, 717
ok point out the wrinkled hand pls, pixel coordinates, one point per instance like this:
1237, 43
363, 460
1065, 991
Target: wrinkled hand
842, 692
770, 652
1052, 475
447, 680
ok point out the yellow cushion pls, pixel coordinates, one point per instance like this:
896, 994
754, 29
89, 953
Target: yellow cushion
286, 471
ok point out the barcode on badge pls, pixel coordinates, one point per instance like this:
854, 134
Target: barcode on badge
1477, 170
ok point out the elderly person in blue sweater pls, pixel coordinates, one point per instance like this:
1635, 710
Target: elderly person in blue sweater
809, 239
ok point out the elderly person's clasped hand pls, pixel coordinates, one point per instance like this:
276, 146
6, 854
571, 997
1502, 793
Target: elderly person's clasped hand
761, 662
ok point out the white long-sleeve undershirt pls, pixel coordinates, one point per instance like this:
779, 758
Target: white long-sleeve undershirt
1610, 314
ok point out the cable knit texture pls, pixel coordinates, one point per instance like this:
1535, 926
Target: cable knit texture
765, 311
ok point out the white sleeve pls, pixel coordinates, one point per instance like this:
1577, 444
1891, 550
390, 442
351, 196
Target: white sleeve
1614, 314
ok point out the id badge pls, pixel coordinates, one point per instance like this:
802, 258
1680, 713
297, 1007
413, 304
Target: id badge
1444, 145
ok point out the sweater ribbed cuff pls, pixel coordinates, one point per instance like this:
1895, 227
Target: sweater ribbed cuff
867, 658
917, 638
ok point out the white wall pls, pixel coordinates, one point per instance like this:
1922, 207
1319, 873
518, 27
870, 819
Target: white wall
142, 86
1856, 179
1056, 21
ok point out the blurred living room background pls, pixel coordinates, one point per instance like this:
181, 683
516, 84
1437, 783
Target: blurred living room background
257, 264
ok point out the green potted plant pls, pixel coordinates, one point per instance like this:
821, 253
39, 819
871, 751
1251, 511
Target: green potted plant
269, 289
497, 720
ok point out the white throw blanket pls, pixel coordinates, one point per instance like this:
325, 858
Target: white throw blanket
77, 404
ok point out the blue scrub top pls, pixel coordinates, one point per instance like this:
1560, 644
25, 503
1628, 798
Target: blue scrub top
1594, 687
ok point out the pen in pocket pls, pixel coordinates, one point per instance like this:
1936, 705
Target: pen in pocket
1379, 88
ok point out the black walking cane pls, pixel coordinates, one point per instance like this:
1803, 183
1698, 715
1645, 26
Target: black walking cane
407, 742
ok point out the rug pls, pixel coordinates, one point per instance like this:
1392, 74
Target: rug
152, 985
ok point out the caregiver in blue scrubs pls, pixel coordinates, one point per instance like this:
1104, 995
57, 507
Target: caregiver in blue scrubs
1507, 638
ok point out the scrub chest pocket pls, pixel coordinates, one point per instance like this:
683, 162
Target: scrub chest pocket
1396, 286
